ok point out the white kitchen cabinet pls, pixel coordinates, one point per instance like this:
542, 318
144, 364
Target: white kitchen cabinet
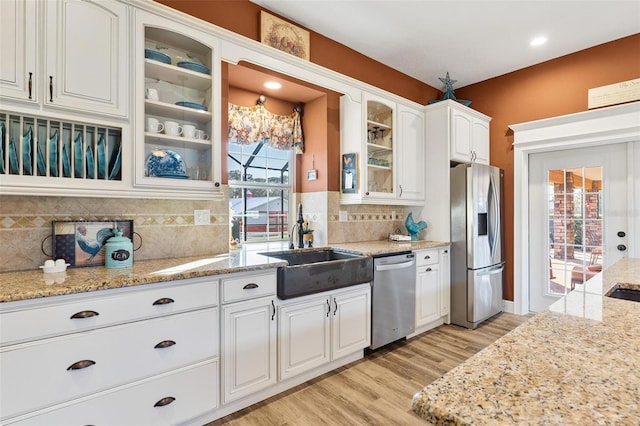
432, 287
248, 335
351, 323
162, 329
168, 399
249, 342
18, 40
469, 138
387, 139
317, 329
181, 66
69, 54
411, 157
304, 333
441, 133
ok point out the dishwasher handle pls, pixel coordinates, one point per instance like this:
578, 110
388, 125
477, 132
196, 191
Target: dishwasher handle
394, 266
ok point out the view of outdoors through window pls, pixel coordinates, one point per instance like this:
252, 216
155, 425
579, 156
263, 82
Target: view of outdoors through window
575, 227
259, 189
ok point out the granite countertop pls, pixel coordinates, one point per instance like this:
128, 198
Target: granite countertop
23, 285
575, 363
373, 248
34, 284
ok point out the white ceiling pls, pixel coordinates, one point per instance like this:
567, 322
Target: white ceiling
473, 40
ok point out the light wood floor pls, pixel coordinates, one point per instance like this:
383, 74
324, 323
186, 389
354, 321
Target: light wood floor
378, 389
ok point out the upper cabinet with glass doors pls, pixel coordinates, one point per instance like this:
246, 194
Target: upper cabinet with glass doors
380, 120
178, 112
80, 62
378, 136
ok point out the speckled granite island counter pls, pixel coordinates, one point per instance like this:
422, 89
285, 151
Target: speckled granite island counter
24, 285
574, 364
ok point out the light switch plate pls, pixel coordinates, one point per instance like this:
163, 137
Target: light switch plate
393, 215
342, 217
201, 217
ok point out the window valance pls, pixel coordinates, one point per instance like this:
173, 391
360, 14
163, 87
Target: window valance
249, 125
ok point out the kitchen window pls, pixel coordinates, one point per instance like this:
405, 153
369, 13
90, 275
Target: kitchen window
260, 152
259, 189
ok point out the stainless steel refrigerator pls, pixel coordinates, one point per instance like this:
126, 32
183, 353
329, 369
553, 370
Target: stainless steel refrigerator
477, 263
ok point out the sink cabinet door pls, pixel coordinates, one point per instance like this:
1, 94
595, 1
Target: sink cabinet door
351, 321
249, 341
303, 333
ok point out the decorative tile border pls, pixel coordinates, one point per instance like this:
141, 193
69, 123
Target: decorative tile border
143, 220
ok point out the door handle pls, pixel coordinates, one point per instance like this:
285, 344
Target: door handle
492, 271
394, 266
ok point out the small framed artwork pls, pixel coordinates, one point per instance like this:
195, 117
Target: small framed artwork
349, 173
312, 174
282, 35
82, 242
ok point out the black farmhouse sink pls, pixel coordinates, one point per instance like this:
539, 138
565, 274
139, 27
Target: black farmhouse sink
315, 271
626, 294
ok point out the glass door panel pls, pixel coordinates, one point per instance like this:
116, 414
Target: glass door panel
575, 227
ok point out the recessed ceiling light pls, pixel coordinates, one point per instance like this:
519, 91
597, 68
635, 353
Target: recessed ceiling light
273, 85
537, 41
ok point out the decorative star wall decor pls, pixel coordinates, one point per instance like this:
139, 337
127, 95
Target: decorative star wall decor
448, 91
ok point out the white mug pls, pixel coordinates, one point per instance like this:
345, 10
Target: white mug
153, 94
154, 126
189, 131
172, 128
200, 134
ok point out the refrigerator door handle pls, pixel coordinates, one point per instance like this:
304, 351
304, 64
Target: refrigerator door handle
495, 226
492, 271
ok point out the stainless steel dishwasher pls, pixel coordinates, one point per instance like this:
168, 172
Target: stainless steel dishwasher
393, 298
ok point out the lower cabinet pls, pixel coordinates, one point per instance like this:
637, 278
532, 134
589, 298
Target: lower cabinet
432, 287
171, 398
320, 328
153, 361
249, 347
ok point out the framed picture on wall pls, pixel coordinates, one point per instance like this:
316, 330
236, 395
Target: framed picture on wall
349, 173
283, 35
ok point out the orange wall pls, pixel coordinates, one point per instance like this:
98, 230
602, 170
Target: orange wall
552, 88
243, 17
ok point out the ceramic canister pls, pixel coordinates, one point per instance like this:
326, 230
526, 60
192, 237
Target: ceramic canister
118, 251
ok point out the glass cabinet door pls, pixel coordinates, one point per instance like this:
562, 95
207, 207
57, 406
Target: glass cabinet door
380, 119
178, 109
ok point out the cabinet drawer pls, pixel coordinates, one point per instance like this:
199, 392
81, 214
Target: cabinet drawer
195, 390
427, 257
248, 286
47, 320
40, 374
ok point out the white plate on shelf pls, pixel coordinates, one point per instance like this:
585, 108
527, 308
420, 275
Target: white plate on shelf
165, 163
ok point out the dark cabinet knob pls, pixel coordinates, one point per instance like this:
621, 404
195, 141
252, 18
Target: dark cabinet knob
622, 247
621, 234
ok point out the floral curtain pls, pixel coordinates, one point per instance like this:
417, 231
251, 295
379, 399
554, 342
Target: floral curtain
248, 125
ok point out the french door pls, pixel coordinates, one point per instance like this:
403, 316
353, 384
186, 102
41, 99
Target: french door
577, 218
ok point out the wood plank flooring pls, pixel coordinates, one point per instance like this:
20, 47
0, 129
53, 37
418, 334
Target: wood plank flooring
378, 389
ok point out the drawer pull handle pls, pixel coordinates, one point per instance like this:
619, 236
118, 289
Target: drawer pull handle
165, 344
428, 270
250, 286
84, 314
427, 257
30, 84
163, 301
50, 88
164, 401
273, 315
79, 365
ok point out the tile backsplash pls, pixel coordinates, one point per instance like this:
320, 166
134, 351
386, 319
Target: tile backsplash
165, 226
